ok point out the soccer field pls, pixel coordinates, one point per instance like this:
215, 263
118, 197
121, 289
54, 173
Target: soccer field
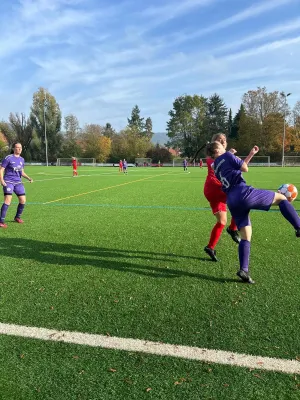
122, 256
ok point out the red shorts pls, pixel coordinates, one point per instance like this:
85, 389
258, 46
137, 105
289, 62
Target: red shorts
216, 198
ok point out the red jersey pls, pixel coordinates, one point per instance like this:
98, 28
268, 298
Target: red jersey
211, 179
74, 163
120, 164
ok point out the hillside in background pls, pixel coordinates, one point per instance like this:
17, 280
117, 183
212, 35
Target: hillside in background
160, 137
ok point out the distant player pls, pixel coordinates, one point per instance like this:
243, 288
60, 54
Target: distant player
200, 163
217, 200
120, 166
11, 172
74, 165
185, 165
241, 199
125, 165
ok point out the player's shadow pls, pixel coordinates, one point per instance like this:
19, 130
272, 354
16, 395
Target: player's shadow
100, 257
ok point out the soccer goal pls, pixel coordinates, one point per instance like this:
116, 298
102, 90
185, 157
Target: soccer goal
90, 162
291, 161
258, 161
143, 162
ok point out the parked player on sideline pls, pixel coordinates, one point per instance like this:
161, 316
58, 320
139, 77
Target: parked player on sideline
11, 172
242, 198
200, 163
217, 200
74, 165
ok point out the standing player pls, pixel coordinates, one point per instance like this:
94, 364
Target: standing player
74, 165
242, 198
217, 200
11, 172
120, 166
125, 166
185, 164
200, 163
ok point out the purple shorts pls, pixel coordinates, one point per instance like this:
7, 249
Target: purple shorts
242, 199
17, 188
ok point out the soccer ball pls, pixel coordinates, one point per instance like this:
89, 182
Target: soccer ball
289, 191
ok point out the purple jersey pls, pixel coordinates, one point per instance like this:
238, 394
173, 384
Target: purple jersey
184, 163
124, 164
13, 168
227, 169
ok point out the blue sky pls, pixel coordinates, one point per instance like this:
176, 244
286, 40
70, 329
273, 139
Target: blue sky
99, 58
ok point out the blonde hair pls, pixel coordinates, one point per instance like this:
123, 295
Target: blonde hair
219, 137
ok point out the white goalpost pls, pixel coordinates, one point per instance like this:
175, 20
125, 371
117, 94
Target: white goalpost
291, 161
143, 162
81, 162
258, 161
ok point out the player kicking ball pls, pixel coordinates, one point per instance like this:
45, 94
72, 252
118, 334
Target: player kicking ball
242, 198
11, 172
217, 200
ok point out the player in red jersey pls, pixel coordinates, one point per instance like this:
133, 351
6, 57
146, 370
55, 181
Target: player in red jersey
200, 163
120, 166
74, 165
217, 201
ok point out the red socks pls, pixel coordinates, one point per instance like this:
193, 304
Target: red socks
215, 235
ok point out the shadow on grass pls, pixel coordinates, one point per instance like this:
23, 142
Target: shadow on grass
62, 254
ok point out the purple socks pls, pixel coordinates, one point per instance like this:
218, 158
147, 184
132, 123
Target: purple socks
4, 209
20, 210
289, 213
244, 254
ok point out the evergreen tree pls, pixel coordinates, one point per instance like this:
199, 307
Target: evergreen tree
229, 123
136, 121
234, 132
148, 128
216, 117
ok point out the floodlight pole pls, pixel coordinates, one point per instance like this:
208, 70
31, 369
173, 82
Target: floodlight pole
45, 129
284, 125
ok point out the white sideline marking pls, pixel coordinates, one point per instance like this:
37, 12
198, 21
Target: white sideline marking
161, 349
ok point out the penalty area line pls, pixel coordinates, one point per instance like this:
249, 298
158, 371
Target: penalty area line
154, 348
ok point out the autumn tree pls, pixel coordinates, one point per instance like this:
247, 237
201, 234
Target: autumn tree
129, 144
45, 118
158, 153
109, 131
260, 103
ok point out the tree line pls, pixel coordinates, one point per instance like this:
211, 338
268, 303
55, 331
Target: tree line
260, 120
193, 120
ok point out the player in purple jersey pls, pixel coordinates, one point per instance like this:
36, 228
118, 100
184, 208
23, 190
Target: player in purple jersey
185, 165
125, 165
242, 198
11, 172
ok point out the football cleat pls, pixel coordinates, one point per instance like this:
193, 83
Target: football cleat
298, 232
19, 220
234, 235
245, 277
3, 225
212, 253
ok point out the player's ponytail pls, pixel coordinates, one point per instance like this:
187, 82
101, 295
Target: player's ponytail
211, 149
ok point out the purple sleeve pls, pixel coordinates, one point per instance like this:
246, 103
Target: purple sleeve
235, 162
5, 162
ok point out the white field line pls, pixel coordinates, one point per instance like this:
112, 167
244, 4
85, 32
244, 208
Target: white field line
161, 349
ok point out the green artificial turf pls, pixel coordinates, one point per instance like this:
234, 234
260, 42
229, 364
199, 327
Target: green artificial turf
123, 254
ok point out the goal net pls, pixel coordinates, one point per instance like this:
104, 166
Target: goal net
258, 161
143, 162
90, 162
291, 161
